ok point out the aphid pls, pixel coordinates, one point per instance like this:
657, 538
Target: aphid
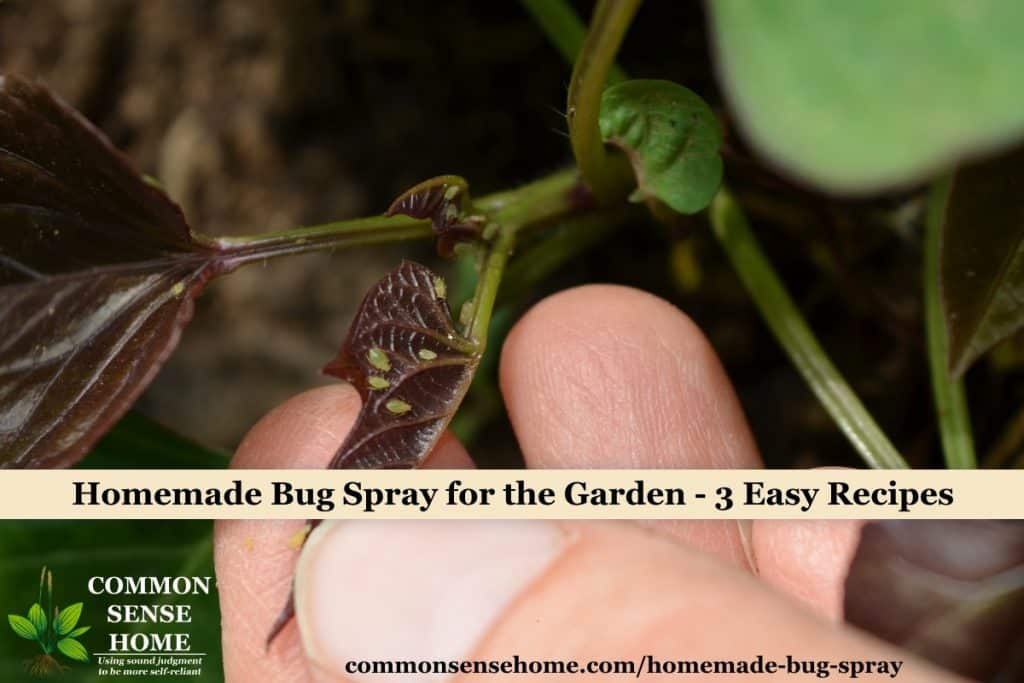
378, 359
397, 406
440, 289
426, 354
377, 382
177, 289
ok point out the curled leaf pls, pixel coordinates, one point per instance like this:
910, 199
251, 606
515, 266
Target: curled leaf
98, 271
982, 268
671, 137
443, 200
410, 366
951, 591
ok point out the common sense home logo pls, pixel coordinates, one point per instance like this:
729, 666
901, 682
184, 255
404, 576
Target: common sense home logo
56, 631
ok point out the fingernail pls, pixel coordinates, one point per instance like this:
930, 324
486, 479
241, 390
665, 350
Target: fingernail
412, 590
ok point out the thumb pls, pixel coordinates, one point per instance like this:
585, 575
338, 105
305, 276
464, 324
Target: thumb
434, 595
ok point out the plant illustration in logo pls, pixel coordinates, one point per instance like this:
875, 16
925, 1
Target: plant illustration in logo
55, 634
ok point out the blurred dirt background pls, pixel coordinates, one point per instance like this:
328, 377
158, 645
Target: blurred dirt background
269, 114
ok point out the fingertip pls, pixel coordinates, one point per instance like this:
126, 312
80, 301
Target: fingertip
301, 433
808, 560
610, 376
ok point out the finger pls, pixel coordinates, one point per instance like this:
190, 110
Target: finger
399, 591
604, 376
808, 560
255, 559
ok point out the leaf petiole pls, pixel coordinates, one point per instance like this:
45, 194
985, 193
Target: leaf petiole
949, 395
603, 173
789, 327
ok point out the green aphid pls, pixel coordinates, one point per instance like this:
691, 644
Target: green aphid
426, 354
452, 192
466, 312
440, 289
378, 359
397, 406
376, 382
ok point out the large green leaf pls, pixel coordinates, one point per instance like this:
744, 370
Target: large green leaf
982, 271
671, 137
859, 96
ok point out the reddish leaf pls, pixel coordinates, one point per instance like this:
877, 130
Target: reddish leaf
410, 366
443, 201
98, 271
951, 591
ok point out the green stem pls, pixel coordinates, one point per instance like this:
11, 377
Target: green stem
536, 204
355, 232
565, 30
589, 76
487, 287
791, 330
949, 395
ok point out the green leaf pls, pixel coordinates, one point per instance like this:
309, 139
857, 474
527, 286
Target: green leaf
860, 96
79, 631
38, 618
67, 619
73, 649
982, 267
22, 626
671, 137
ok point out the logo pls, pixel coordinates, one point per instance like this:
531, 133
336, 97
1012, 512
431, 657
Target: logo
55, 630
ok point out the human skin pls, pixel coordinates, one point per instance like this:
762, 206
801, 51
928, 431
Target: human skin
593, 377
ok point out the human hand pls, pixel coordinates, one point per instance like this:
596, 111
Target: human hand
594, 377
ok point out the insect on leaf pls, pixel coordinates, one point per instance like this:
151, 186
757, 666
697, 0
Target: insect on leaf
671, 137
951, 591
98, 271
443, 200
411, 367
409, 364
982, 269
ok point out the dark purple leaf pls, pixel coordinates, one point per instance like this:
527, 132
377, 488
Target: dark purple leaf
950, 591
443, 200
98, 271
983, 257
410, 366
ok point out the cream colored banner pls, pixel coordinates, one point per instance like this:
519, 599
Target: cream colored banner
511, 494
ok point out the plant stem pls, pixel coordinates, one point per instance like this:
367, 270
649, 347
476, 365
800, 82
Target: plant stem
949, 395
358, 231
589, 76
791, 330
487, 287
535, 204
565, 30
